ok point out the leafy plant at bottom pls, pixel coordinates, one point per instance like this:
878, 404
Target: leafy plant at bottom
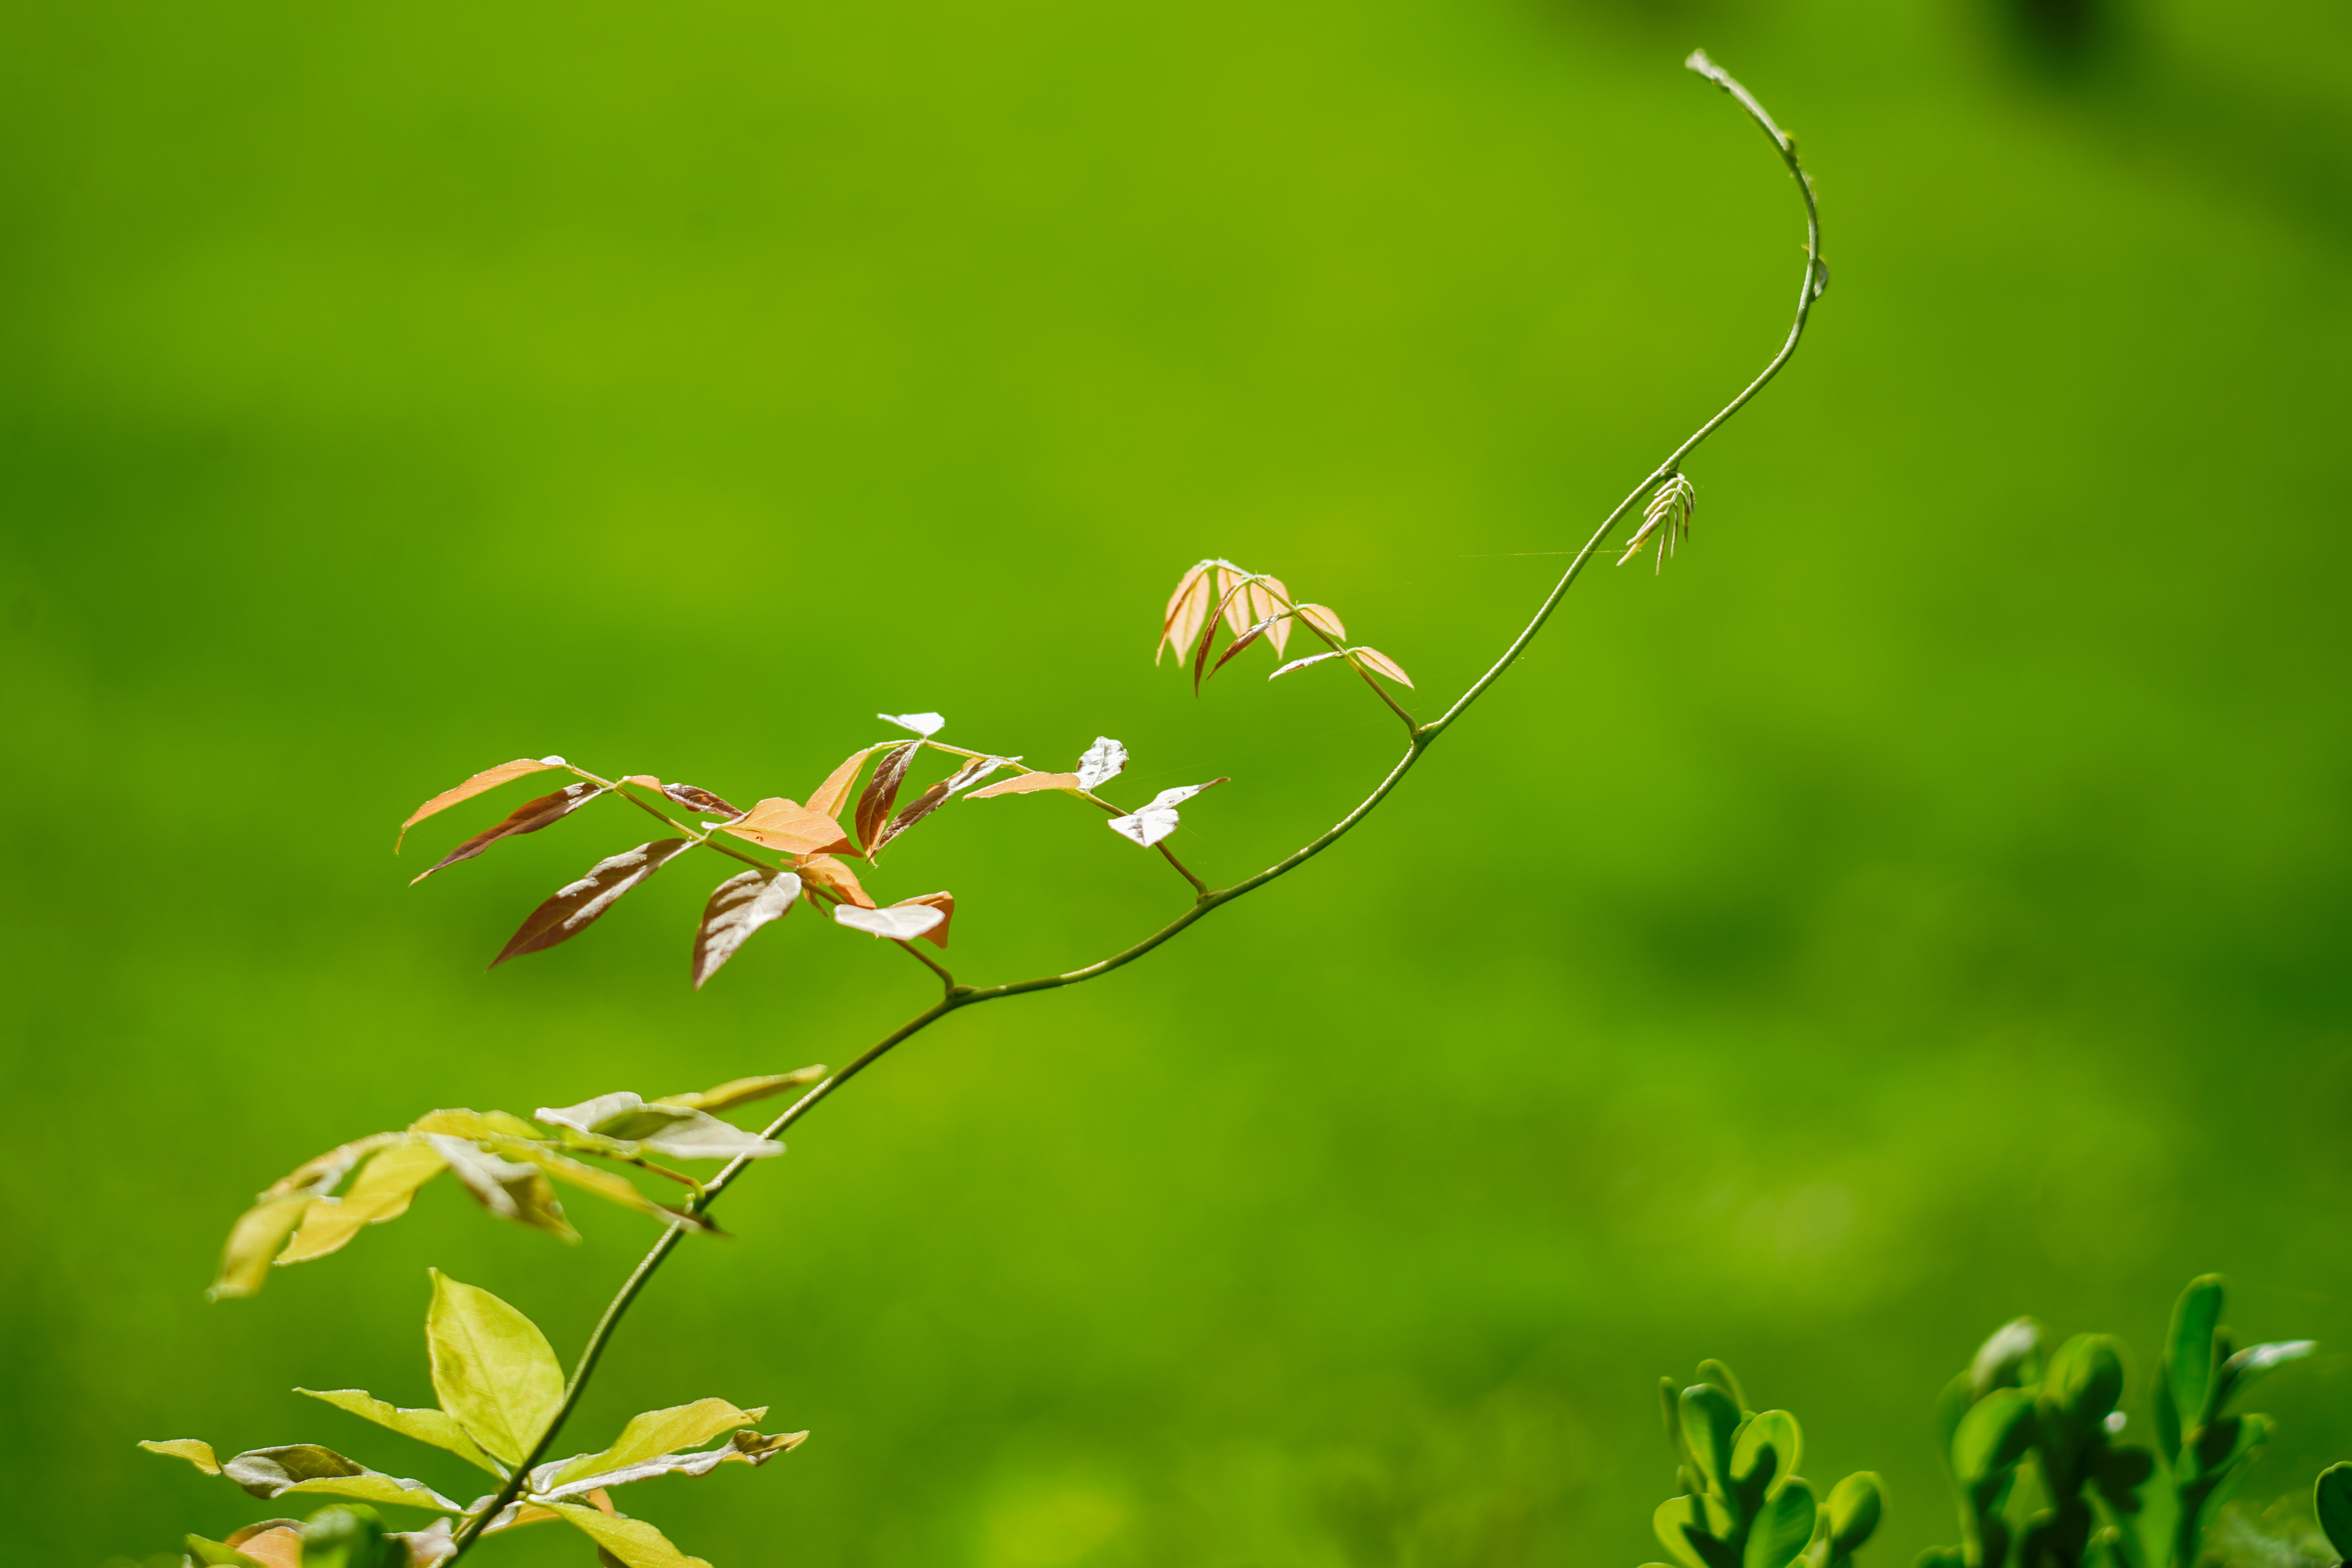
1744, 1505
499, 1385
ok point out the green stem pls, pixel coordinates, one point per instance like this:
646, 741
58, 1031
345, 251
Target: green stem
1422, 738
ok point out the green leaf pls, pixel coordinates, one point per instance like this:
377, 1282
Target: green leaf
2243, 1369
633, 1541
658, 1432
1709, 1420
2006, 1359
1716, 1375
1993, 1436
459, 1123
744, 1090
1941, 1557
1784, 1528
606, 1184
253, 1243
380, 1191
195, 1451
435, 1426
676, 1130
2084, 1384
1950, 1406
2120, 1473
2189, 1350
2331, 1499
370, 1487
1693, 1529
1854, 1506
752, 1448
1775, 1431
493, 1369
350, 1538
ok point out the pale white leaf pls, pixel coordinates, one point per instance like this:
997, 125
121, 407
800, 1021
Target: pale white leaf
680, 1130
1300, 664
1101, 764
744, 1447
923, 724
902, 922
1146, 827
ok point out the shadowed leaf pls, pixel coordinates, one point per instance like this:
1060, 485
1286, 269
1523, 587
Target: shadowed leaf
744, 1090
880, 797
437, 1428
658, 1432
1783, 1528
513, 1190
487, 779
493, 1369
380, 1191
576, 906
1029, 784
607, 1185
528, 818
899, 922
2331, 1498
738, 906
836, 879
634, 1541
779, 823
1380, 663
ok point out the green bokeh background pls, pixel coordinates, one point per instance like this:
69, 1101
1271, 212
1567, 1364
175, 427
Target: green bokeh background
1924, 903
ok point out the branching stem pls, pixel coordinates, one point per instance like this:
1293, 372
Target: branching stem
1421, 736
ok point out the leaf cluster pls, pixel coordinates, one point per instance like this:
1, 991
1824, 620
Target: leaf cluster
500, 1387
1743, 1503
1249, 606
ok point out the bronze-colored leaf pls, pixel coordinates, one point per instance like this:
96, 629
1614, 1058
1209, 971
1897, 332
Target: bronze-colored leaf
1380, 663
1028, 784
876, 801
1276, 598
1301, 664
1235, 597
834, 794
1186, 606
576, 906
700, 799
1201, 653
487, 779
738, 906
834, 878
779, 823
1247, 639
944, 903
529, 817
1324, 619
929, 801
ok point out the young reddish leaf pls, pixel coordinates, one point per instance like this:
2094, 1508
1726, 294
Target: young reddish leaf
1236, 593
1324, 619
795, 829
881, 793
929, 801
924, 724
702, 800
1028, 784
1274, 601
1200, 652
487, 779
1101, 763
834, 794
529, 817
1380, 664
1247, 639
944, 903
977, 769
1301, 664
738, 906
1150, 824
576, 906
1186, 607
899, 922
834, 878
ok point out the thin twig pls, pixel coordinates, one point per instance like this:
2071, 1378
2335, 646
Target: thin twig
1422, 736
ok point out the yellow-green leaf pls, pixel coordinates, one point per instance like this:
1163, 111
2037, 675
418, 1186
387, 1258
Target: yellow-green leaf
370, 1487
462, 1123
253, 1243
437, 1428
380, 1191
514, 1190
658, 1432
492, 1368
633, 1541
198, 1452
743, 1090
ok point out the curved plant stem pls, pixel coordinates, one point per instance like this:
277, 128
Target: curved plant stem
1422, 737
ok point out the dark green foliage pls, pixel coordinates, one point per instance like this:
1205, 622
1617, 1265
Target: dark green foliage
1743, 1503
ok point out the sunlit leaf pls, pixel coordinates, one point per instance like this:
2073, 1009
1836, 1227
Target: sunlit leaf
493, 1369
924, 724
487, 779
510, 1189
1029, 784
880, 797
744, 1090
1324, 619
1380, 663
943, 903
1274, 602
380, 1191
700, 799
745, 1447
1301, 664
1237, 600
658, 1432
779, 823
637, 1544
1187, 606
899, 922
834, 794
217, 1553
437, 1428
253, 1243
738, 906
195, 1450
576, 906
458, 1122
676, 1130
1101, 763
1150, 824
529, 817
834, 877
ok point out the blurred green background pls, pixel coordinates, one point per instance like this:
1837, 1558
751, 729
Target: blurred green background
1923, 904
